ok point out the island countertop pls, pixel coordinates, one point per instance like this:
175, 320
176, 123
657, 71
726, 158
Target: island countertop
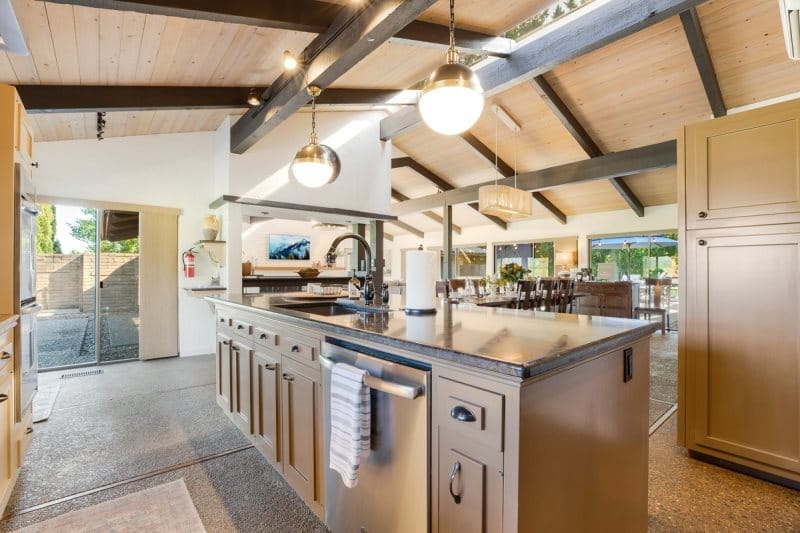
512, 342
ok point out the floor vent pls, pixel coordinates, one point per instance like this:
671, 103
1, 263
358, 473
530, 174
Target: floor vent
82, 373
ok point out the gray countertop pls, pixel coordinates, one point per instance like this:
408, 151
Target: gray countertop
523, 344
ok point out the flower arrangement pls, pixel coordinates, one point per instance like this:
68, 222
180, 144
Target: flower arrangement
512, 273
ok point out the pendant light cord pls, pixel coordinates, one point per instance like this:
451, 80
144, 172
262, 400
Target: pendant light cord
452, 53
313, 119
496, 160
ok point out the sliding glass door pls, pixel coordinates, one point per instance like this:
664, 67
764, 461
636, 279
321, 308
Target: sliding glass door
87, 277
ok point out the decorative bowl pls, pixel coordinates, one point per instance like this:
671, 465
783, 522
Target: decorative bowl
308, 273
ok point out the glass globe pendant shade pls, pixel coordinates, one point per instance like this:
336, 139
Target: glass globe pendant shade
452, 99
506, 202
315, 165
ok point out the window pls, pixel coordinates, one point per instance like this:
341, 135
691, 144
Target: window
646, 255
467, 261
538, 257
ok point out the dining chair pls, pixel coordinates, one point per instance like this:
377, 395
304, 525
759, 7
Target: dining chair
658, 292
566, 291
455, 284
547, 294
525, 289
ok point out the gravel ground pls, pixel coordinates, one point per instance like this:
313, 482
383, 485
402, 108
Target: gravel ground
60, 341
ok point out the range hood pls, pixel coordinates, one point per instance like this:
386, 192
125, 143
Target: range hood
256, 209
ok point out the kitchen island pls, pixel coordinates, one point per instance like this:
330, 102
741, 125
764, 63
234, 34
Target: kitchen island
535, 421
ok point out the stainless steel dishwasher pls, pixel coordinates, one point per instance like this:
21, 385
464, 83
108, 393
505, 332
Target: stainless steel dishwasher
393, 490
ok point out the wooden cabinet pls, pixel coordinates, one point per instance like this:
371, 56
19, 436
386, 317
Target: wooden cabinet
23, 132
743, 357
744, 169
300, 427
265, 387
8, 457
739, 350
223, 368
241, 360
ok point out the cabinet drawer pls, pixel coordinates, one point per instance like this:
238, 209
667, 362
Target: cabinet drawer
298, 347
24, 437
223, 320
241, 327
265, 336
474, 412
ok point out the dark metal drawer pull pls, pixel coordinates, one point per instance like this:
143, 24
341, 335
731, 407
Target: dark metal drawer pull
263, 336
269, 367
234, 348
29, 431
462, 414
702, 214
288, 377
701, 242
3, 397
6, 355
226, 342
239, 326
295, 348
453, 474
222, 320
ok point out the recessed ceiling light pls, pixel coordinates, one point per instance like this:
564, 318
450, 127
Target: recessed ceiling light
253, 98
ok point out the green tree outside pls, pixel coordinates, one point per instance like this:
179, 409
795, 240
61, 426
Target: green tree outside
85, 230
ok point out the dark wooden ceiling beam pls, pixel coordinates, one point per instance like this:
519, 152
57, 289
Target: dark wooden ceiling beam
353, 36
439, 183
585, 33
311, 16
400, 197
624, 163
702, 58
507, 171
564, 115
90, 98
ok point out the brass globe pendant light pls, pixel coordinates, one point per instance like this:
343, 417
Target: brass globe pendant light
452, 98
315, 164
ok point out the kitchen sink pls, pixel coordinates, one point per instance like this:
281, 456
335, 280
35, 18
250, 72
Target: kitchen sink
321, 309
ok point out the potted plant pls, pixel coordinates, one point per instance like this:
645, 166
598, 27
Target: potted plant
512, 273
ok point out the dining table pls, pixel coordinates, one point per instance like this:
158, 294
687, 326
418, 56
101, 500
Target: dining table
502, 300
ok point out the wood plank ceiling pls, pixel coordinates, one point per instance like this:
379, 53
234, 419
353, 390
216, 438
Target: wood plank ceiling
630, 93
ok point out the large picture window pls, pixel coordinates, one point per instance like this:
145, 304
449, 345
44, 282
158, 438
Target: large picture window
650, 255
538, 257
467, 261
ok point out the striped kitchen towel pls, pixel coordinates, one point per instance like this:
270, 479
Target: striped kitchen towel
350, 421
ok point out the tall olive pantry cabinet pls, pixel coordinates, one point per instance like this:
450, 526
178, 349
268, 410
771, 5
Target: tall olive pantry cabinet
739, 347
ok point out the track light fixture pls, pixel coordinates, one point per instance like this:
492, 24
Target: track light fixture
253, 98
101, 125
289, 61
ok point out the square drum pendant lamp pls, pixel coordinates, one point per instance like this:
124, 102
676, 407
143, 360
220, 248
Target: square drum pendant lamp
506, 202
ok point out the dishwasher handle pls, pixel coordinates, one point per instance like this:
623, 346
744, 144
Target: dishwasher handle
409, 392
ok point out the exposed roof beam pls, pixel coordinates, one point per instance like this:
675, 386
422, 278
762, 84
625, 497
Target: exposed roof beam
310, 16
439, 183
408, 227
90, 98
400, 197
593, 27
562, 112
507, 171
625, 163
702, 58
388, 236
354, 35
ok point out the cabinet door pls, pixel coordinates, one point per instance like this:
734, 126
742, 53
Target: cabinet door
223, 367
241, 360
6, 435
300, 396
743, 346
744, 169
470, 486
266, 405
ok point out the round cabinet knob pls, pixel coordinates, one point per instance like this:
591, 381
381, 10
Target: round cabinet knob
702, 214
702, 242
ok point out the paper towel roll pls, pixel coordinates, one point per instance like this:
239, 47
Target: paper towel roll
421, 328
421, 280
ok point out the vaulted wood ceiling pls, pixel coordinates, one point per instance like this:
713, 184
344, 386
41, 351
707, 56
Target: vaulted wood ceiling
633, 92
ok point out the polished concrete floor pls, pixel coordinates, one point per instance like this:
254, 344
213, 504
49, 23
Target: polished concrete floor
160, 416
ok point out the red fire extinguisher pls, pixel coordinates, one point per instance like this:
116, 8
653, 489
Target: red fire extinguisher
188, 264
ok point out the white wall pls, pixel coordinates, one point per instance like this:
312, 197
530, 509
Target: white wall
364, 183
174, 170
659, 218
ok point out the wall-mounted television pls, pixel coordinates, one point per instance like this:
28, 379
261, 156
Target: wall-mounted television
289, 247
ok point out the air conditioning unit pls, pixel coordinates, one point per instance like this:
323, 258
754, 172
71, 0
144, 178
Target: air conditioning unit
790, 17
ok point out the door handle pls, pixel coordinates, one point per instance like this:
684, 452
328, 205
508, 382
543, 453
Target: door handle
462, 414
453, 474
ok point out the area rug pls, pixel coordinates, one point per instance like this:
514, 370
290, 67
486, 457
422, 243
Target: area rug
44, 401
166, 508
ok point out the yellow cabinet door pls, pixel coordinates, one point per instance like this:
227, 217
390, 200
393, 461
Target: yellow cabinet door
744, 169
742, 354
